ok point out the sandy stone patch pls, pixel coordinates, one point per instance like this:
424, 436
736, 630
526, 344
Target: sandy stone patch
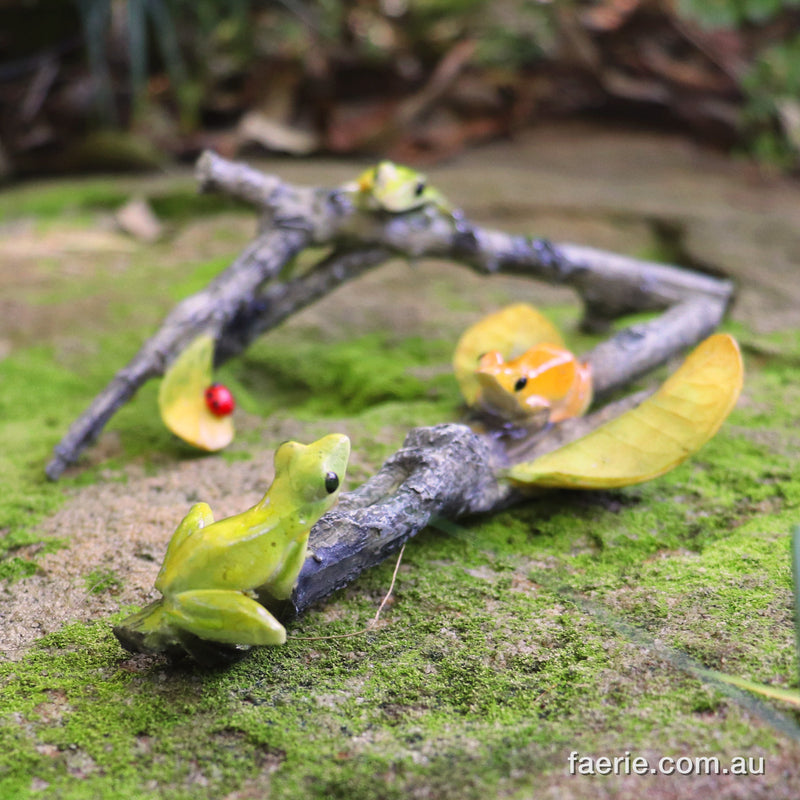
121, 527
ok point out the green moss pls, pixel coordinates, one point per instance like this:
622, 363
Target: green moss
318, 378
47, 201
13, 568
472, 682
76, 197
180, 206
511, 640
197, 277
101, 581
42, 393
37, 399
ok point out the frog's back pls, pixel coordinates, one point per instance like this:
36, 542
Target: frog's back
223, 555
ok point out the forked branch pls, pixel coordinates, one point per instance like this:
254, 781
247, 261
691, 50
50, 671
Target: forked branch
442, 472
245, 301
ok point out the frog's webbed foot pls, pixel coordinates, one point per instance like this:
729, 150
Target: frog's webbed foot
224, 616
147, 631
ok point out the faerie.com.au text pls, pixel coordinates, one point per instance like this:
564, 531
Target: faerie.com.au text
666, 765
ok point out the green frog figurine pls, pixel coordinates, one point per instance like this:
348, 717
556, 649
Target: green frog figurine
217, 575
394, 188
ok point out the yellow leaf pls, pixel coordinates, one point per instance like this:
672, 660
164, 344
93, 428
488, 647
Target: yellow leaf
511, 331
181, 398
654, 437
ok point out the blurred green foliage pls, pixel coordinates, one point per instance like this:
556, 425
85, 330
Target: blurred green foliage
733, 13
200, 44
771, 81
772, 113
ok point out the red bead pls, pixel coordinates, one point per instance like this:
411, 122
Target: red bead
219, 400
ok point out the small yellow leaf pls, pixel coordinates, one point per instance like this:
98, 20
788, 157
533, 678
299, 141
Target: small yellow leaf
654, 437
182, 403
511, 331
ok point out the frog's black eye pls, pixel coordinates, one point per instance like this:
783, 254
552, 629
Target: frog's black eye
419, 188
520, 384
331, 482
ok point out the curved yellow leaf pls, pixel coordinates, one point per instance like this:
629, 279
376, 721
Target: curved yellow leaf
654, 437
511, 331
181, 398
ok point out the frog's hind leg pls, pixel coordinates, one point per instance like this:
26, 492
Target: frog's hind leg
224, 616
199, 516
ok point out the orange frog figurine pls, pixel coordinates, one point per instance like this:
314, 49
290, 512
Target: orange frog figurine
545, 384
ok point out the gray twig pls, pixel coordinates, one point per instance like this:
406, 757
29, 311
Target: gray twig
441, 473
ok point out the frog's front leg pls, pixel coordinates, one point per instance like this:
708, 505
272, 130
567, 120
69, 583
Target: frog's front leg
281, 585
225, 616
